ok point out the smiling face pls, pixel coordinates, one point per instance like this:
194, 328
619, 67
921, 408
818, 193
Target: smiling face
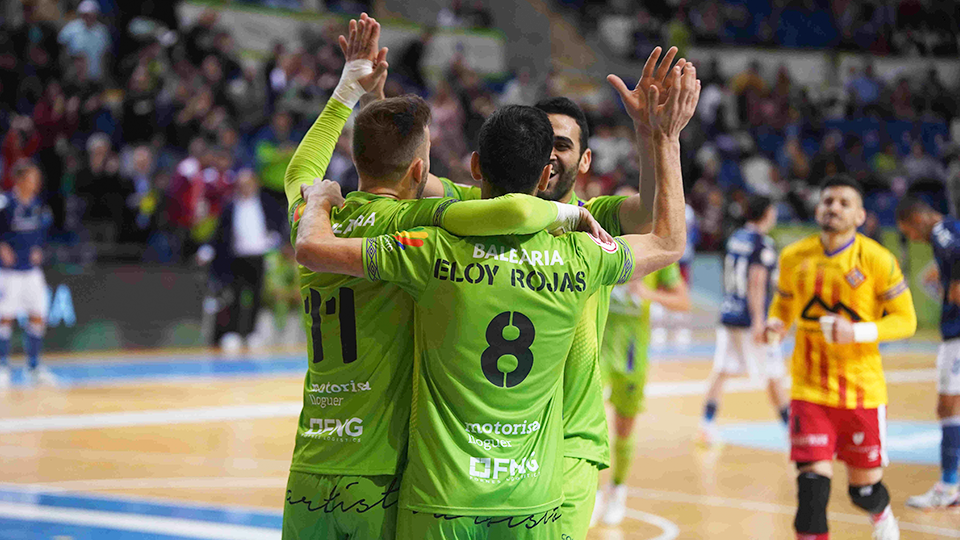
840, 209
567, 160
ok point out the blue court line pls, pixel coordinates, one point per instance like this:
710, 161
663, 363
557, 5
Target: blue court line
143, 507
11, 529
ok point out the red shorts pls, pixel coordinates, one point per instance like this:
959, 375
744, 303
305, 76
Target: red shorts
855, 436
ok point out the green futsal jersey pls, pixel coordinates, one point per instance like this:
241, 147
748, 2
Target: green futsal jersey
630, 315
495, 318
584, 417
356, 393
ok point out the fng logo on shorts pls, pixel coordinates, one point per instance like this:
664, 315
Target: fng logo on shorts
330, 427
486, 469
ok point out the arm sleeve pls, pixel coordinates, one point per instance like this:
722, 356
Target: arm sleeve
315, 150
509, 214
459, 191
606, 210
610, 264
784, 305
900, 318
405, 258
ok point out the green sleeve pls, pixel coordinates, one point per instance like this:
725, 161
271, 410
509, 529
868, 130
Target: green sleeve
509, 214
668, 277
609, 264
405, 258
459, 191
315, 150
606, 210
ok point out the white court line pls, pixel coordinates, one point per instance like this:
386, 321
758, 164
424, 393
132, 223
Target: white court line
144, 524
166, 483
771, 508
669, 528
292, 408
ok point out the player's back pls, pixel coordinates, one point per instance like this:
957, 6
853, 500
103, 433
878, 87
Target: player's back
360, 348
23, 226
945, 239
495, 318
853, 281
746, 246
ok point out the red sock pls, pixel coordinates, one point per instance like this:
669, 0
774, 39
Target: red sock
812, 536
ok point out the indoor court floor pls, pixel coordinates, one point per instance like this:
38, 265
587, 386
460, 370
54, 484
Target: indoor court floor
188, 445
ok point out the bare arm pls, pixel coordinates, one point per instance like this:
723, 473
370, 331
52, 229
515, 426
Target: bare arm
674, 298
317, 247
757, 298
636, 213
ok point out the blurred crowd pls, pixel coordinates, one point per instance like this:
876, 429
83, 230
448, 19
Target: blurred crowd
912, 27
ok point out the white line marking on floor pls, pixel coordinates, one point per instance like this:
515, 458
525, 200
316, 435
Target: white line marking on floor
109, 484
771, 508
669, 528
144, 524
285, 409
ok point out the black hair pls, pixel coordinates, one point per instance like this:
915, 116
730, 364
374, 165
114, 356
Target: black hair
515, 144
842, 180
566, 107
756, 207
910, 206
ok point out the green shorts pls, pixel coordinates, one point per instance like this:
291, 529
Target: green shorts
581, 479
428, 526
331, 507
624, 361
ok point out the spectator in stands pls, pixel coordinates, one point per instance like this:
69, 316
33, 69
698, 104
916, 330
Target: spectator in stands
140, 122
201, 39
226, 54
409, 66
446, 127
828, 161
886, 163
451, 16
248, 100
35, 46
866, 90
96, 116
99, 187
749, 87
56, 117
855, 162
21, 142
609, 150
935, 101
273, 153
479, 15
521, 89
142, 199
341, 169
902, 101
919, 165
251, 225
88, 38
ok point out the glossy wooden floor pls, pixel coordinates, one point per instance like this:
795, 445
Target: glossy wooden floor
229, 441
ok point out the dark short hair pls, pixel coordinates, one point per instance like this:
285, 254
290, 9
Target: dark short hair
756, 207
842, 180
387, 134
515, 144
566, 107
910, 206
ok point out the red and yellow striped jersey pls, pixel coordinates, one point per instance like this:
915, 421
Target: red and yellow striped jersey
862, 282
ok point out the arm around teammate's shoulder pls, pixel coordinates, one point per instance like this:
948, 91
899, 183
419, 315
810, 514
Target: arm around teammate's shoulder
317, 247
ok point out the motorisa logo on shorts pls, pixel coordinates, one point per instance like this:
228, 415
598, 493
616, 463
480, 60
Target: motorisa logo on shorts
335, 429
320, 394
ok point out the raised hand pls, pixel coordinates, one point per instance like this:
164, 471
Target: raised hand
635, 100
670, 117
363, 43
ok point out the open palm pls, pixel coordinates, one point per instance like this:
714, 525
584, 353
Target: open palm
635, 101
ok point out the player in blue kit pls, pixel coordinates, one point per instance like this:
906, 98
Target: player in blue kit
24, 221
921, 223
748, 268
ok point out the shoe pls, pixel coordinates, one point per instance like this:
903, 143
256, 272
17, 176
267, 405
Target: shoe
598, 508
886, 528
616, 506
42, 376
5, 378
940, 496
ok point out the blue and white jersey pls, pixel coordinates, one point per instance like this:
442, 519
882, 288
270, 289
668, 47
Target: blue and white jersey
745, 247
945, 239
23, 226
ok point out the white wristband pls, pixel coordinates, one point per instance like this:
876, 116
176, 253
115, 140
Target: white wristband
568, 219
349, 90
865, 332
